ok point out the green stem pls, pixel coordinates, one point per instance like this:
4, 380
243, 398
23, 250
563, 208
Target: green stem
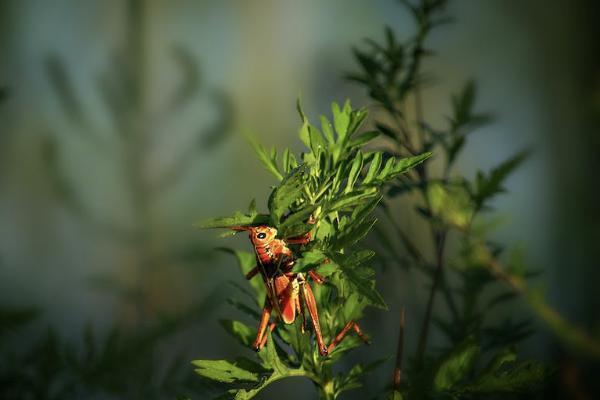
571, 335
326, 391
440, 239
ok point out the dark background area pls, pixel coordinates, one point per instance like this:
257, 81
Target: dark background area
123, 124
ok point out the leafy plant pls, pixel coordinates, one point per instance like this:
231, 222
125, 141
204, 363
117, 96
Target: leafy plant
118, 364
454, 209
130, 147
339, 184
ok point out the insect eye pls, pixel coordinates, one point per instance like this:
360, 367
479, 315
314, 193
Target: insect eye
261, 235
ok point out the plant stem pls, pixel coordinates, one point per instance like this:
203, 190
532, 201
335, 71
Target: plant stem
440, 240
399, 353
326, 391
571, 335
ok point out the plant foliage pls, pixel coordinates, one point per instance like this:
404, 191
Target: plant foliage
478, 359
338, 183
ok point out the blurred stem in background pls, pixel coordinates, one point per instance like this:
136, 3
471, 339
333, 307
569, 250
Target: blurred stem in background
453, 206
128, 360
126, 89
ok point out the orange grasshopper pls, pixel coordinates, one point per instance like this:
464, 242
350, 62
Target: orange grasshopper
287, 291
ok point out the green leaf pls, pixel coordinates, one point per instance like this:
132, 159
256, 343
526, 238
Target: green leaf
317, 144
309, 260
360, 213
353, 234
295, 224
269, 161
341, 120
363, 139
522, 377
355, 169
327, 129
224, 371
360, 276
357, 117
359, 257
242, 332
303, 131
289, 191
456, 366
353, 378
387, 169
452, 204
272, 358
490, 185
406, 164
350, 200
237, 219
396, 395
361, 279
373, 168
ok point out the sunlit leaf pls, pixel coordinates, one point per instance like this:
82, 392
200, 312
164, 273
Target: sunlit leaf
224, 371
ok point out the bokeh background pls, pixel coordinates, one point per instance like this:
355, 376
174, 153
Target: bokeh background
123, 123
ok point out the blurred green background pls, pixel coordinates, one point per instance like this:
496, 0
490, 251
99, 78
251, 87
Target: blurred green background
123, 122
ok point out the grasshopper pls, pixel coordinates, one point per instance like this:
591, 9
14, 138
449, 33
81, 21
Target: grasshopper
288, 292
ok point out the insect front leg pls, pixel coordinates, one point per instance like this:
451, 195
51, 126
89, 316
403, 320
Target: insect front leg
304, 239
252, 273
262, 327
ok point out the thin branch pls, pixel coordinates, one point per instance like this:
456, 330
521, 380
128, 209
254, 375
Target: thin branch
572, 336
399, 354
440, 239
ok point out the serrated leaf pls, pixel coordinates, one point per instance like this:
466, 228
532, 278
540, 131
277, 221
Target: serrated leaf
269, 161
405, 164
357, 118
355, 169
242, 332
327, 129
309, 260
272, 358
456, 366
451, 204
360, 276
373, 168
352, 379
289, 191
363, 139
317, 144
341, 120
353, 234
489, 185
295, 224
352, 199
237, 219
387, 169
223, 371
361, 279
523, 377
